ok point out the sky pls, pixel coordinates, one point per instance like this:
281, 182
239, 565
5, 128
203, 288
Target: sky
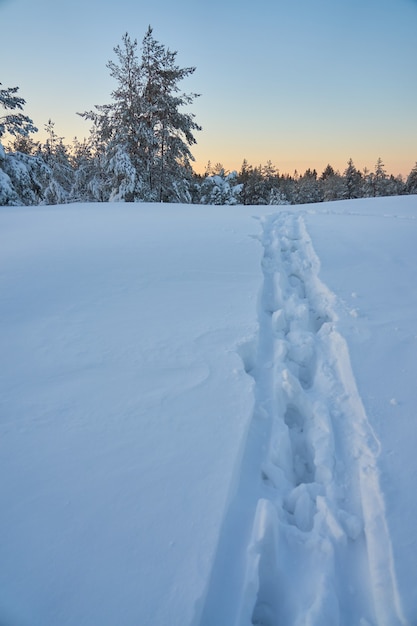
299, 83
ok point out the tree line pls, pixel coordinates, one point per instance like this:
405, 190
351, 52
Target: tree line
265, 185
139, 150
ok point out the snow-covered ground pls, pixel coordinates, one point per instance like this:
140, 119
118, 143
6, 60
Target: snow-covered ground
208, 415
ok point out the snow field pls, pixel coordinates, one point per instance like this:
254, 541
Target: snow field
173, 452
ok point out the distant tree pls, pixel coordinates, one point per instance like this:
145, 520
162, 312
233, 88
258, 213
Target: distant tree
271, 180
146, 137
278, 197
217, 169
260, 185
24, 144
56, 155
327, 172
367, 184
380, 179
395, 186
89, 183
255, 191
331, 185
243, 177
411, 183
221, 188
288, 187
352, 181
208, 171
307, 188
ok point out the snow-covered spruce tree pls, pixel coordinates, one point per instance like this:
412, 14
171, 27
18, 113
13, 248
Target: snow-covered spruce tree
243, 177
352, 182
146, 138
330, 185
380, 179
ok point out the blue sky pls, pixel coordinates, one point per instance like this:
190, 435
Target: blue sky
300, 83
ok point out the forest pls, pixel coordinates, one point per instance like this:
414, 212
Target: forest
139, 150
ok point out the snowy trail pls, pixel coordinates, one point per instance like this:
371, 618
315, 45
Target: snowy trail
305, 540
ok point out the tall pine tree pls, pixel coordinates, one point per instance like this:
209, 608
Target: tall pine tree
145, 136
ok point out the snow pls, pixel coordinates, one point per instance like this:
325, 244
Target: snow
206, 418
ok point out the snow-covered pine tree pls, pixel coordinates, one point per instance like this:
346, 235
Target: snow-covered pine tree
16, 183
278, 197
367, 189
29, 177
220, 188
395, 185
307, 188
118, 132
145, 136
411, 183
8, 194
88, 183
14, 123
27, 169
271, 181
170, 130
56, 156
253, 190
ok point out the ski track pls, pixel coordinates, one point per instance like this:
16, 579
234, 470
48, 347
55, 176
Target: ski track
316, 547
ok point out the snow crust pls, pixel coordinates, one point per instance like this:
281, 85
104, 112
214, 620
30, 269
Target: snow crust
206, 418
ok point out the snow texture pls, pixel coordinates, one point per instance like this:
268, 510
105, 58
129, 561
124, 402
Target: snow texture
208, 419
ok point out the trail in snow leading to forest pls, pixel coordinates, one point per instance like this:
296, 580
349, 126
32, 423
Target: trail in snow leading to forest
305, 540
